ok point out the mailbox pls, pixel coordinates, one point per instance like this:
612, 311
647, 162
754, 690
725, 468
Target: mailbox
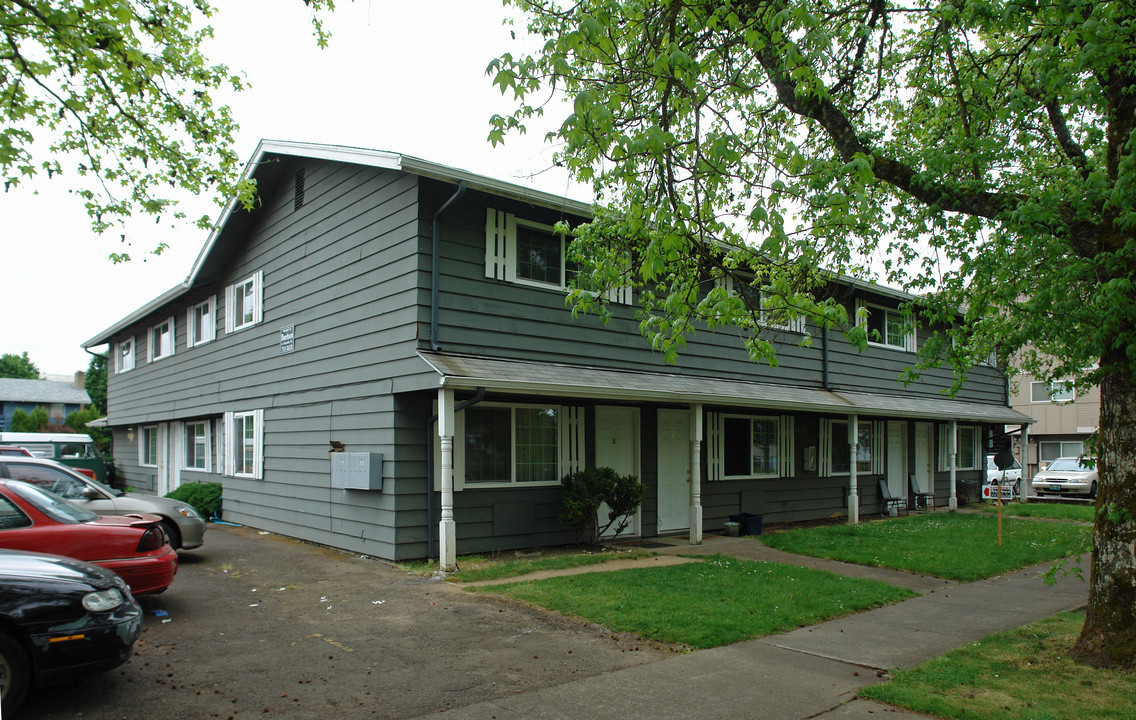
357, 471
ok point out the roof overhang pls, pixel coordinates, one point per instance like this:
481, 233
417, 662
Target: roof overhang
464, 372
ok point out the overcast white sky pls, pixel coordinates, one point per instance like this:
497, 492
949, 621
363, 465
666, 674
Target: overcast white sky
399, 76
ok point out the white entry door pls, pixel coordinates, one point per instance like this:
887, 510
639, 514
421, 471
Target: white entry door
617, 447
674, 470
897, 458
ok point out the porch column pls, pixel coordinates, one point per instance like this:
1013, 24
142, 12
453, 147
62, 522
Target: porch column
853, 490
952, 455
447, 529
696, 475
1023, 491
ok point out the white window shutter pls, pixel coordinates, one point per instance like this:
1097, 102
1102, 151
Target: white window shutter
258, 455
230, 302
500, 244
227, 443
944, 449
786, 428
861, 316
173, 336
879, 445
911, 340
190, 334
620, 295
258, 297
714, 448
571, 439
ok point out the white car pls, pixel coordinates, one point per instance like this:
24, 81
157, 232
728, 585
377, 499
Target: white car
1067, 476
1009, 479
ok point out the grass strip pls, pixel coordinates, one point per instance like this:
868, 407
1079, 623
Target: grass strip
475, 568
706, 604
1020, 674
1075, 513
956, 546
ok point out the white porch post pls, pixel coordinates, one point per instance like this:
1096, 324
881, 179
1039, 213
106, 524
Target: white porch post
952, 455
447, 529
1023, 491
696, 475
853, 490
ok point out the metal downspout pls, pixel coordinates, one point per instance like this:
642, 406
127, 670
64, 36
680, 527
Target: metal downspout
435, 261
431, 537
824, 356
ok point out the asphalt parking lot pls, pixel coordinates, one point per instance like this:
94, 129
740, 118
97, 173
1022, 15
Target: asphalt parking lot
257, 625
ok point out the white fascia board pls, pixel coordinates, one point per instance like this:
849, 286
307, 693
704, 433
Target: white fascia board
169, 296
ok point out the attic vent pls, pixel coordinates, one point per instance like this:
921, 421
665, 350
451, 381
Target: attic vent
298, 199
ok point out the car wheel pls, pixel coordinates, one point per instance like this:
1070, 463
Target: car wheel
1093, 491
14, 677
171, 530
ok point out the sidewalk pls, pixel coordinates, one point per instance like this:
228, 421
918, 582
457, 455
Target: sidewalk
811, 672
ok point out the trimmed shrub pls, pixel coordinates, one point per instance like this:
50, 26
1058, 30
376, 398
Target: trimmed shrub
583, 493
204, 497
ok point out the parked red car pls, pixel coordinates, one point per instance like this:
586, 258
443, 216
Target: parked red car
134, 546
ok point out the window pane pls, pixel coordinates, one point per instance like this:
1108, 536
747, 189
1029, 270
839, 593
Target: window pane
488, 438
538, 255
537, 445
840, 457
894, 329
240, 463
736, 454
1050, 451
1072, 449
966, 436
864, 447
765, 447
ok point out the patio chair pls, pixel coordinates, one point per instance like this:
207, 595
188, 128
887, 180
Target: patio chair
927, 498
890, 500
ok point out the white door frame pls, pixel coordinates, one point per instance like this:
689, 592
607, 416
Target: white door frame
925, 455
626, 432
162, 476
676, 443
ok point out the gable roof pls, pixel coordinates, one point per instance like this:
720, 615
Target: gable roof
268, 150
42, 391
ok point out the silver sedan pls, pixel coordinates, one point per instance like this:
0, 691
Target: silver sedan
1067, 476
182, 524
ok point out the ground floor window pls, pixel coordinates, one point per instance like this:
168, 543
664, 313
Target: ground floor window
750, 447
197, 442
506, 445
841, 457
1048, 451
148, 446
244, 443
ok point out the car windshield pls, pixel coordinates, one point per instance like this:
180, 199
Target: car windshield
1068, 465
51, 504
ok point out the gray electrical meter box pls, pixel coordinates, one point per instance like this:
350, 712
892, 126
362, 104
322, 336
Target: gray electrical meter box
357, 471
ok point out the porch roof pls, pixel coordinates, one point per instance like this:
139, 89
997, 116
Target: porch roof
467, 372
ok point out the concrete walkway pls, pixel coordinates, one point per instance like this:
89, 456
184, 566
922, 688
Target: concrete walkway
812, 672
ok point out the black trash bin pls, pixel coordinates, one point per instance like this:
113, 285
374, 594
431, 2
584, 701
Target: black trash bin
748, 523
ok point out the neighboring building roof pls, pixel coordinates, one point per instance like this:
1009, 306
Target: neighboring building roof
42, 391
555, 379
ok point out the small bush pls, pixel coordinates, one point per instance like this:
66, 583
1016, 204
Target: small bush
584, 492
204, 497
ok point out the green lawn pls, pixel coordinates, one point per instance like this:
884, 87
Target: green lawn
1078, 513
705, 604
474, 568
956, 546
1020, 674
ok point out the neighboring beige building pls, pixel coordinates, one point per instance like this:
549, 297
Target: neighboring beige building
1065, 419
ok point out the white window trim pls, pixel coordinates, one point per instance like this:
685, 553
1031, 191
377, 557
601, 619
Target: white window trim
910, 340
257, 280
258, 442
501, 254
152, 346
1050, 390
191, 326
795, 325
716, 447
570, 440
119, 365
143, 445
208, 447
944, 463
828, 432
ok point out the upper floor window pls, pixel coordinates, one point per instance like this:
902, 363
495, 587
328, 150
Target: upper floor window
161, 340
529, 253
1043, 392
244, 303
886, 326
770, 316
200, 324
124, 355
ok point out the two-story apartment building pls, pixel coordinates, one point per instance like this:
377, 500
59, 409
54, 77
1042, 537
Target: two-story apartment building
380, 304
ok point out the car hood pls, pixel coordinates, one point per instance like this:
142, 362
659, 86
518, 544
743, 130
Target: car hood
133, 502
19, 565
1056, 476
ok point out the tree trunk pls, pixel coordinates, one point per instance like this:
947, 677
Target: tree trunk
1108, 638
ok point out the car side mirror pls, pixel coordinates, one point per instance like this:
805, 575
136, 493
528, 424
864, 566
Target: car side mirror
89, 493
